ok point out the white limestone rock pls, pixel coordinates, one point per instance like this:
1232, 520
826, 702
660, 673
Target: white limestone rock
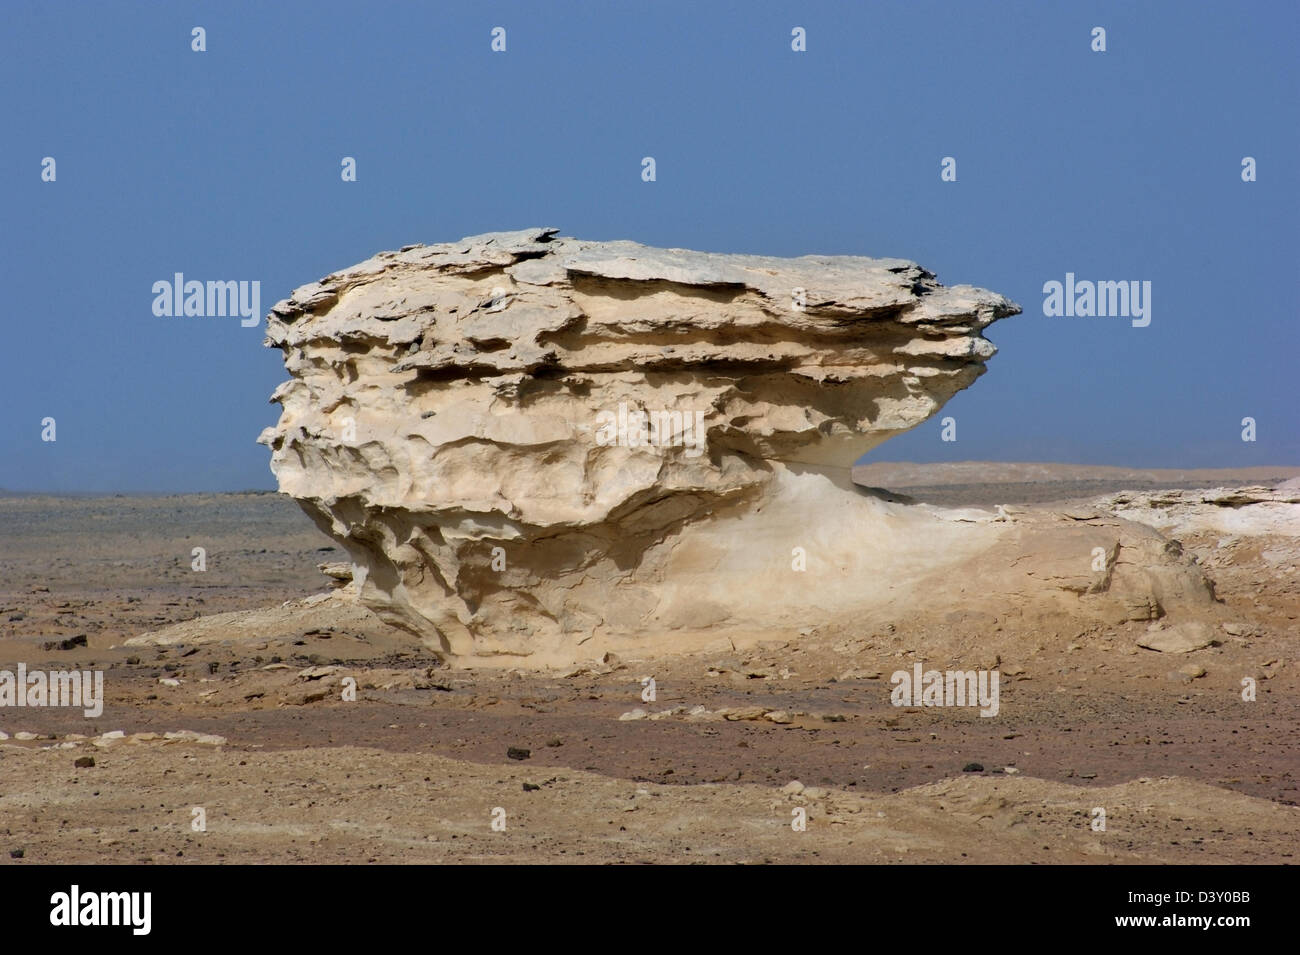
448, 420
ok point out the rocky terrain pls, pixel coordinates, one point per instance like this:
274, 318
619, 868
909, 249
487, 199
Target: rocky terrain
572, 565
244, 666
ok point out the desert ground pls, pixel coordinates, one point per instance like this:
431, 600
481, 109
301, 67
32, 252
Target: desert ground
225, 691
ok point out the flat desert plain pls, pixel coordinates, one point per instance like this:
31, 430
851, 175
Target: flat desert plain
225, 734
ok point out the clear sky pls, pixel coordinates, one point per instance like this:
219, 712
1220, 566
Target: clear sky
225, 165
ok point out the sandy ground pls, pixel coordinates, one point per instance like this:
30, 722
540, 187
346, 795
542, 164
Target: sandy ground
574, 765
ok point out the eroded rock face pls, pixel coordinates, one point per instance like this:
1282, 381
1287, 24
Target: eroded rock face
537, 446
1245, 511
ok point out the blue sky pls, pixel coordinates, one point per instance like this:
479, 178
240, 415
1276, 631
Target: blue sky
1122, 165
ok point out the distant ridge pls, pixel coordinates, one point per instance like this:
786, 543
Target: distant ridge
911, 474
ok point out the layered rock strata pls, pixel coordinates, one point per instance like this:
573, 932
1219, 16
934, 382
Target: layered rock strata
536, 446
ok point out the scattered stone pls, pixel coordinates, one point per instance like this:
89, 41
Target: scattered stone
744, 713
84, 762
317, 672
858, 675
973, 768
531, 787
793, 788
190, 736
518, 752
16, 853
305, 697
779, 716
637, 714
1184, 638
339, 572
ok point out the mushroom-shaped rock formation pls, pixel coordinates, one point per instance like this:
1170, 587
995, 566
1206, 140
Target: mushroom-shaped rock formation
538, 447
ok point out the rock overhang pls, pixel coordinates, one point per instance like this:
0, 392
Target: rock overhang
505, 430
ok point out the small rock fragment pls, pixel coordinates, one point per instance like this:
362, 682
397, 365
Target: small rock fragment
1184, 638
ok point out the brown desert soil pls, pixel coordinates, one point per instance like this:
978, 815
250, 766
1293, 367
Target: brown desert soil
429, 754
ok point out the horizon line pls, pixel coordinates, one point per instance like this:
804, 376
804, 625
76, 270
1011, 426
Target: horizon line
20, 492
